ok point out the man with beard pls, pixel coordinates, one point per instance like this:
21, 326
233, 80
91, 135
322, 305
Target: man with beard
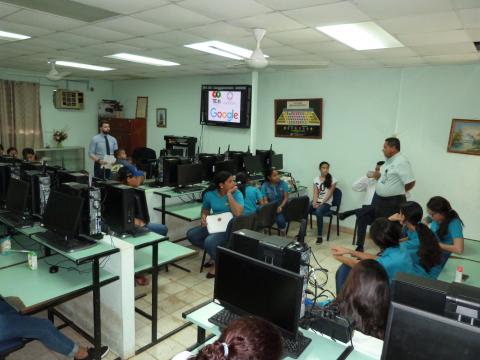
101, 148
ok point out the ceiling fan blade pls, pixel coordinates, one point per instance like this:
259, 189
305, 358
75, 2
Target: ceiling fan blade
298, 63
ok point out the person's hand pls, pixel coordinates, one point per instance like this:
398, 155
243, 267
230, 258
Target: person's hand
376, 175
139, 222
102, 162
340, 250
395, 217
232, 190
316, 205
426, 221
204, 221
279, 210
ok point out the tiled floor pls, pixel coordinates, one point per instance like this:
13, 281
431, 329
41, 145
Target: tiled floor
179, 291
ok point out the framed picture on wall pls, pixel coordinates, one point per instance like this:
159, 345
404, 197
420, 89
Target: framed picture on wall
142, 106
162, 117
464, 137
298, 118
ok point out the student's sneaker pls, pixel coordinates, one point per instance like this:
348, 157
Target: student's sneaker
103, 352
319, 240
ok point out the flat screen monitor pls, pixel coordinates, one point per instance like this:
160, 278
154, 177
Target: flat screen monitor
17, 196
253, 164
421, 335
226, 165
62, 213
277, 161
251, 287
265, 157
189, 174
208, 164
226, 105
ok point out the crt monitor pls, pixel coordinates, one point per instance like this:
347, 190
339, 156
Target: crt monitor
416, 334
63, 213
253, 164
226, 165
277, 161
189, 174
251, 287
17, 196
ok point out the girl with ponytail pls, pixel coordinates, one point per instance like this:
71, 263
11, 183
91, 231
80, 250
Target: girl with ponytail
246, 338
252, 195
421, 242
446, 224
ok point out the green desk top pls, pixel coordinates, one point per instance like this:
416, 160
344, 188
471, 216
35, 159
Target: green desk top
471, 250
189, 211
37, 288
20, 242
80, 256
145, 240
470, 268
168, 192
320, 347
168, 252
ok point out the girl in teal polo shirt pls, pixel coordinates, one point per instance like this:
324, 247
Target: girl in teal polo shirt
421, 242
386, 235
220, 197
446, 224
275, 189
252, 195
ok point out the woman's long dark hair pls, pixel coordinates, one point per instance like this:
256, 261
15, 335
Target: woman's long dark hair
385, 233
220, 177
365, 298
429, 252
268, 173
246, 338
442, 206
328, 178
241, 179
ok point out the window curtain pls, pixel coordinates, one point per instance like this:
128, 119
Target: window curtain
20, 122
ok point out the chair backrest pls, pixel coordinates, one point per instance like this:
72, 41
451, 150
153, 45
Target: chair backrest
337, 199
296, 208
302, 232
241, 222
266, 215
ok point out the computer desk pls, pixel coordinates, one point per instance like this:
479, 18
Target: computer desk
321, 348
470, 268
471, 251
20, 242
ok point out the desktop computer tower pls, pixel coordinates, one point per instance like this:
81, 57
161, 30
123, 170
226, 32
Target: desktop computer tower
4, 180
64, 176
118, 208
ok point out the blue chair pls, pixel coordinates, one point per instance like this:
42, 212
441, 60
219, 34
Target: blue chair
334, 211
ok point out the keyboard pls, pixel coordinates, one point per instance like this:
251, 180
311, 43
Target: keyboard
291, 347
72, 244
16, 220
188, 189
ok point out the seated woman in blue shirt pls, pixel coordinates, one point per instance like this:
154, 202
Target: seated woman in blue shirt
421, 242
251, 194
446, 224
220, 197
386, 235
275, 189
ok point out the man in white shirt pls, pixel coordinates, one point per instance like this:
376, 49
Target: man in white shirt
367, 184
395, 179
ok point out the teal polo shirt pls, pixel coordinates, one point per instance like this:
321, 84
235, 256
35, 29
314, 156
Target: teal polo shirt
412, 244
395, 174
394, 259
455, 230
252, 196
219, 204
274, 192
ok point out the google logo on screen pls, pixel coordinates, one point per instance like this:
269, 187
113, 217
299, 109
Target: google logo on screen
230, 115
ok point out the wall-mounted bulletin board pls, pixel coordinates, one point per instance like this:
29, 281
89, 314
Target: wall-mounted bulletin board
299, 118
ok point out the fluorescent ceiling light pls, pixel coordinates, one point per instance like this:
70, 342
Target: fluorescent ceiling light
361, 36
83, 66
5, 35
222, 49
142, 59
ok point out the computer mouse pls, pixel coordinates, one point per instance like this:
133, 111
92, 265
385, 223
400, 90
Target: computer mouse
53, 269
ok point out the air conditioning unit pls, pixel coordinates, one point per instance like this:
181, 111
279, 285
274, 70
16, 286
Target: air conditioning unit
68, 99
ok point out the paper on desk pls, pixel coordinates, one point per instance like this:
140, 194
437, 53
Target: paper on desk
110, 159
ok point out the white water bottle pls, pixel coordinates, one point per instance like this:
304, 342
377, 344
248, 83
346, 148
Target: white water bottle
459, 274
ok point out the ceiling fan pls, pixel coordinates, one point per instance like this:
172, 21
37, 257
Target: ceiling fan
54, 74
258, 60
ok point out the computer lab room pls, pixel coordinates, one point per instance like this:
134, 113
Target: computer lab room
239, 180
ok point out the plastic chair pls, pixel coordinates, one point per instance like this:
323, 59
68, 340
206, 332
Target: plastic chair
296, 209
266, 215
237, 223
334, 211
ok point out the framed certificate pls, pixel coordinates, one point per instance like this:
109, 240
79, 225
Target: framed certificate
142, 105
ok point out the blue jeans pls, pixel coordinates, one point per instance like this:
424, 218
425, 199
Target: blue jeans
280, 220
157, 228
340, 276
200, 237
16, 326
320, 213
